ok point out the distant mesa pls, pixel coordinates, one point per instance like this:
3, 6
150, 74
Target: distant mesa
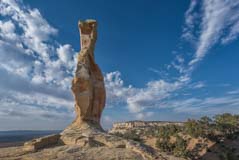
123, 127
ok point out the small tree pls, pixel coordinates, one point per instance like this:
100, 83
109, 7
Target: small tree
226, 123
129, 135
132, 135
163, 132
193, 128
165, 145
206, 124
180, 149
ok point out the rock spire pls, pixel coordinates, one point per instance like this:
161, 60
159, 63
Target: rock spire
88, 83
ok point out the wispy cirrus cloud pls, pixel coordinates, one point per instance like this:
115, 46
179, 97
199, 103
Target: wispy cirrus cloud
206, 105
218, 21
236, 91
207, 23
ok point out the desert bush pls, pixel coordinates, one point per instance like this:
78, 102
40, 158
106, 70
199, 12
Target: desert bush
168, 130
132, 135
165, 145
193, 128
177, 148
180, 149
227, 123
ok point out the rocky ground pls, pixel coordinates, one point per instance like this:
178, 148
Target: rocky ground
87, 142
75, 152
70, 152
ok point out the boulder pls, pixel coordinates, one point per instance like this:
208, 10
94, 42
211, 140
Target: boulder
41, 142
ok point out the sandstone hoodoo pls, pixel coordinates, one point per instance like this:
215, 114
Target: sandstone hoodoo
87, 88
89, 93
88, 84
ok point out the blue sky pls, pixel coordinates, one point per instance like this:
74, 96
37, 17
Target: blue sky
162, 60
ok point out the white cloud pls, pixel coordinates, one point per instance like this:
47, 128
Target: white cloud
155, 70
190, 19
117, 93
144, 116
65, 53
34, 39
35, 69
40, 111
206, 105
233, 92
107, 121
139, 100
217, 17
234, 32
198, 85
8, 29
151, 95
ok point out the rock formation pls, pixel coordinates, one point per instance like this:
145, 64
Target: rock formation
88, 89
88, 84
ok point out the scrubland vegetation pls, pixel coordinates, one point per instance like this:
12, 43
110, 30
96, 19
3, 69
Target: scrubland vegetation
195, 137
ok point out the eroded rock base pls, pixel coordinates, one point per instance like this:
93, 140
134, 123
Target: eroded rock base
92, 135
88, 136
42, 142
70, 152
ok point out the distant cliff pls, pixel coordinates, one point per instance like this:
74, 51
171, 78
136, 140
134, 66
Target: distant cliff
122, 127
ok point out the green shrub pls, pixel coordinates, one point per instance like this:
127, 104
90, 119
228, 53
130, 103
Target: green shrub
165, 145
227, 123
180, 149
168, 130
129, 135
193, 128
